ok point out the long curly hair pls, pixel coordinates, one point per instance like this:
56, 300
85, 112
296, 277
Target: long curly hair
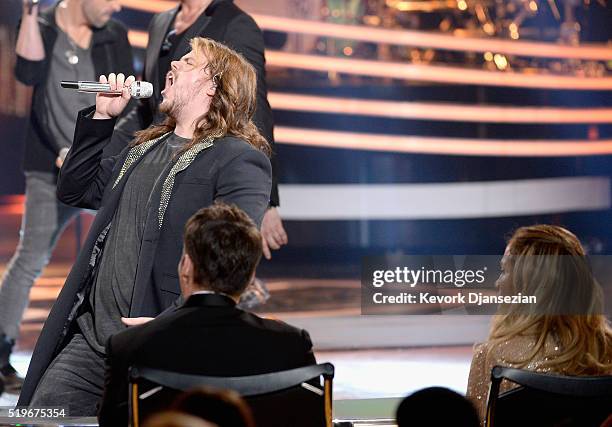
548, 261
232, 106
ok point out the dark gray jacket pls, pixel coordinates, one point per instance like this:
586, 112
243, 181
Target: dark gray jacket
229, 170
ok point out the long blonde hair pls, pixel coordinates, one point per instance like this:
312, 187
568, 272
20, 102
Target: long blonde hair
548, 261
233, 104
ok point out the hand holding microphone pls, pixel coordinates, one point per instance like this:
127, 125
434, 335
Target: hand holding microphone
113, 93
109, 105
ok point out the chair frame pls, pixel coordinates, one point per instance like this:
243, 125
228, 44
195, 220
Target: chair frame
551, 383
246, 386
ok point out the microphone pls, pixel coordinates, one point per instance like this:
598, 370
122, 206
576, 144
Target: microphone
138, 89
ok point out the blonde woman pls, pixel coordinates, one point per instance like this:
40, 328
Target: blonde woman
564, 332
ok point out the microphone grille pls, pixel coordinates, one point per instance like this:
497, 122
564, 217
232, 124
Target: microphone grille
140, 89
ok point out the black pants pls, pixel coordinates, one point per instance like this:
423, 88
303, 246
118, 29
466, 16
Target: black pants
74, 380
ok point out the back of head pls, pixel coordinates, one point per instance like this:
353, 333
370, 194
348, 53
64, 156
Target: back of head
176, 419
436, 407
222, 407
548, 262
225, 248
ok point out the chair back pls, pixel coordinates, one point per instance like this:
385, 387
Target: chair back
292, 398
548, 400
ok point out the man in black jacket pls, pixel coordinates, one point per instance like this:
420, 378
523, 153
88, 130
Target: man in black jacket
169, 35
208, 335
75, 39
208, 149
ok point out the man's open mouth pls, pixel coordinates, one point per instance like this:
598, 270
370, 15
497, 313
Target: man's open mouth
170, 78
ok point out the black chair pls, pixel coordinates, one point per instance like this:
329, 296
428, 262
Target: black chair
292, 398
548, 400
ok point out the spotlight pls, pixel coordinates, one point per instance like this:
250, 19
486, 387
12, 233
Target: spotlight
500, 61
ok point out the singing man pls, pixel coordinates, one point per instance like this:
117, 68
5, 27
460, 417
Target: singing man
208, 149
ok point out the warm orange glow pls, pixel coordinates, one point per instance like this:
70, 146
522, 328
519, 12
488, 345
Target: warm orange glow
500, 61
418, 72
433, 73
12, 205
488, 28
153, 6
434, 40
138, 38
422, 6
438, 111
413, 38
433, 145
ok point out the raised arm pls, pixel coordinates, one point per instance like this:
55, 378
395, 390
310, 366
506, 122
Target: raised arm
30, 48
86, 171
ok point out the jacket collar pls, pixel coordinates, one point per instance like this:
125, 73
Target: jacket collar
209, 300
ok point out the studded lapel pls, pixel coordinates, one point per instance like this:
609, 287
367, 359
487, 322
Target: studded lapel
181, 164
136, 153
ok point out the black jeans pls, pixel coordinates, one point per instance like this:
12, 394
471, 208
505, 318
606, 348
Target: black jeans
73, 381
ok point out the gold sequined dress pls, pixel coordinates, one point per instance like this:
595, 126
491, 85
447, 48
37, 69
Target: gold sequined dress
487, 356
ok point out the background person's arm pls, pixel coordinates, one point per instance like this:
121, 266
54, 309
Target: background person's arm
30, 48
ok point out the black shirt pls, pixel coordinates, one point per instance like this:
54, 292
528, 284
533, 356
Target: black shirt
111, 295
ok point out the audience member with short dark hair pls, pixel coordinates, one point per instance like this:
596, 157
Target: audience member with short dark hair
177, 419
436, 407
208, 334
565, 332
223, 407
